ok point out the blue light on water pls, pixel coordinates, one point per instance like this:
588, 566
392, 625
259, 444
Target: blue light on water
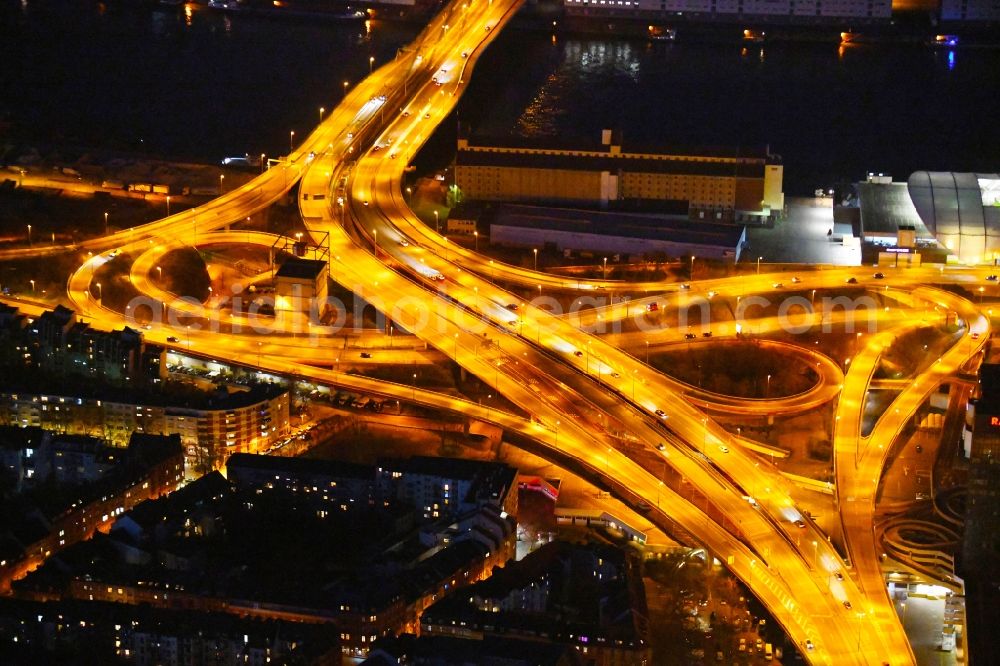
951, 60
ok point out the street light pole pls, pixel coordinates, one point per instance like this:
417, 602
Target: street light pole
105, 223
535, 251
437, 222
476, 235
605, 273
321, 110
168, 205
371, 64
291, 141
758, 264
29, 235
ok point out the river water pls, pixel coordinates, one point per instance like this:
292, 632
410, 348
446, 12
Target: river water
204, 85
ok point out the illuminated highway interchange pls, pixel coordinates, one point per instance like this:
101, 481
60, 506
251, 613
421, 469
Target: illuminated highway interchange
589, 397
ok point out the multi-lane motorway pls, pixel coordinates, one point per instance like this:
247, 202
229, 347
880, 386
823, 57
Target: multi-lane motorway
648, 437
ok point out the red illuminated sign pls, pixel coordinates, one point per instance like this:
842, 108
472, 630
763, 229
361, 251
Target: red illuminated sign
995, 421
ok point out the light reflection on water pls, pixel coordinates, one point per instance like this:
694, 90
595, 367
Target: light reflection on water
831, 112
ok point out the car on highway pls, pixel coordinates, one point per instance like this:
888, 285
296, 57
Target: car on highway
847, 604
724, 449
436, 82
838, 575
852, 280
659, 412
777, 285
406, 114
685, 286
690, 336
404, 242
652, 307
991, 278
661, 447
615, 375
879, 276
171, 338
365, 355
437, 277
376, 148
488, 27
392, 156
578, 353
427, 115
796, 280
706, 334
512, 307
809, 645
800, 523
465, 54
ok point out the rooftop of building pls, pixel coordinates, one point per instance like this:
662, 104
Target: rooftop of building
170, 395
588, 603
59, 317
611, 163
449, 651
76, 443
594, 143
448, 468
297, 466
256, 633
208, 488
675, 229
301, 269
887, 207
989, 397
956, 203
489, 479
17, 438
539, 564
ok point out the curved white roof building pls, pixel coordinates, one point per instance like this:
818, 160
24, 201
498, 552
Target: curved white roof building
962, 210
